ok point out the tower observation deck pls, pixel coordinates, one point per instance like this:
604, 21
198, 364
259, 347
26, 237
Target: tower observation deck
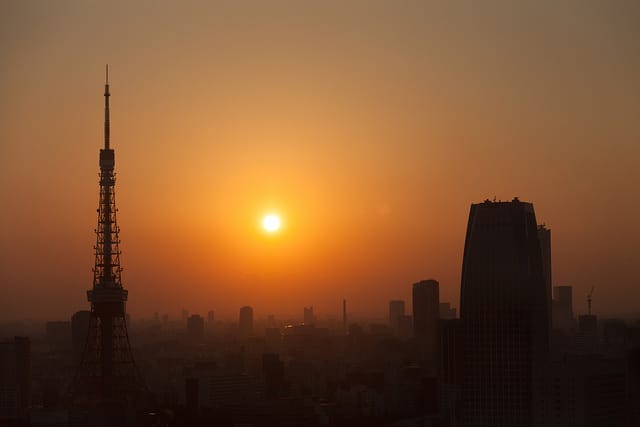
107, 373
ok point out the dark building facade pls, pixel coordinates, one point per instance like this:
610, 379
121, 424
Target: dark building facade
195, 328
562, 309
504, 312
396, 312
15, 380
246, 321
79, 330
451, 347
426, 312
544, 237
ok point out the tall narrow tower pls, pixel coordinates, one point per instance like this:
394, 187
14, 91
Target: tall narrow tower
107, 372
503, 306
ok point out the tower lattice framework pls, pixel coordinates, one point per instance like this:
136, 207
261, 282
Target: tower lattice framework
107, 371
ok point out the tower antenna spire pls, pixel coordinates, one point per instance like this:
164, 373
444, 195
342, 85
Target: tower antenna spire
107, 125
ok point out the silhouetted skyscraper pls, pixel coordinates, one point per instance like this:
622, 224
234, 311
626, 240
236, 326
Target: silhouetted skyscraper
426, 312
562, 308
309, 318
544, 237
503, 308
79, 330
58, 334
211, 316
195, 328
273, 370
246, 321
15, 380
450, 360
396, 311
446, 311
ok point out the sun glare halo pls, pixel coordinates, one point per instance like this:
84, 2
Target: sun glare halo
271, 223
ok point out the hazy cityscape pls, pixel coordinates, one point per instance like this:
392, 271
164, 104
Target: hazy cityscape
515, 354
279, 213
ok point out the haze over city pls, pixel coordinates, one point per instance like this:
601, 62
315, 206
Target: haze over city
369, 127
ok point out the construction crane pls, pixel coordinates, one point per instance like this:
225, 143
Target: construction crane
589, 299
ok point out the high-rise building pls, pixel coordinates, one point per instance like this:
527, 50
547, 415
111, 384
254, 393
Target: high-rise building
396, 311
79, 329
584, 390
246, 322
107, 374
450, 364
503, 306
273, 370
15, 380
562, 308
564, 296
211, 316
544, 237
309, 318
446, 311
195, 328
405, 327
58, 335
426, 312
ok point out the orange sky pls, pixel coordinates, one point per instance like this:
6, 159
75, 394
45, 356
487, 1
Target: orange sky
370, 126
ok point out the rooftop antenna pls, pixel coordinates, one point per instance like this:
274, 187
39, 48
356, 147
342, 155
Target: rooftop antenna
589, 299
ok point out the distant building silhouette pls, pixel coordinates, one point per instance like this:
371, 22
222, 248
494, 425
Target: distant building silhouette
503, 306
208, 386
426, 312
79, 330
451, 362
58, 334
544, 237
588, 327
245, 325
309, 318
273, 338
273, 369
15, 380
405, 327
584, 391
396, 312
211, 316
195, 328
562, 308
446, 311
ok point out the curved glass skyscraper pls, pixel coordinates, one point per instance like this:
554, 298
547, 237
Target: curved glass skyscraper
504, 313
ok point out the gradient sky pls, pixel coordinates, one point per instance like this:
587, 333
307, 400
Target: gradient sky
371, 126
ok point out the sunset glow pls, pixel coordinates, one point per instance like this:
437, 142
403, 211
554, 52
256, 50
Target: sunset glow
271, 223
366, 128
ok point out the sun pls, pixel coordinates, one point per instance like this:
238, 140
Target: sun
271, 223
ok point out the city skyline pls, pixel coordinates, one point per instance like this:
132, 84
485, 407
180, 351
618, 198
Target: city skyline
372, 166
